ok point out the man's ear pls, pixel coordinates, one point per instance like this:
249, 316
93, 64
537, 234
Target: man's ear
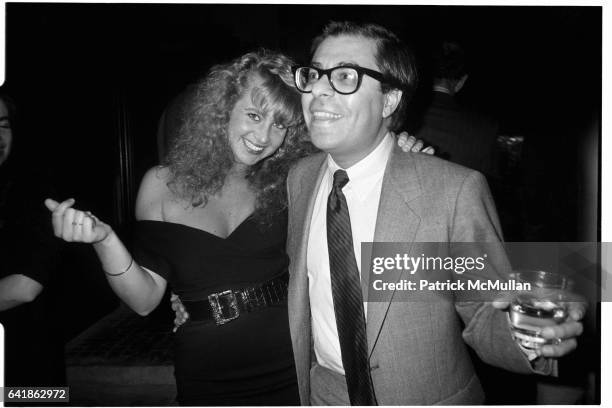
392, 99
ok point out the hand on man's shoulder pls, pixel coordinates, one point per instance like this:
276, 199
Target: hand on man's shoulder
434, 172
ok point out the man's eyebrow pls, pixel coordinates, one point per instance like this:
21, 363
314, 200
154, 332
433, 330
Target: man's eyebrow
340, 64
4, 119
349, 63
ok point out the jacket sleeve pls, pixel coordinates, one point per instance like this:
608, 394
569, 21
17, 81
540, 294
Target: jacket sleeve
476, 231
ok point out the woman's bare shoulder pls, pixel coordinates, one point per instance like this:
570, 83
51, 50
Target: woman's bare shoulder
152, 194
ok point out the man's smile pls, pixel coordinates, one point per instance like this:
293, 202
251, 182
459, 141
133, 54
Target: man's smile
320, 115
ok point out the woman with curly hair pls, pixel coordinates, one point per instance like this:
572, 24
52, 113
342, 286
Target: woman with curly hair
212, 223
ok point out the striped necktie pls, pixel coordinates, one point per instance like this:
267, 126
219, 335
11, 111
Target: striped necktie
348, 300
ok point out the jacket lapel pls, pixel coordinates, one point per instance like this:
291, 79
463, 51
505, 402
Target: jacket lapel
304, 202
396, 222
299, 228
300, 213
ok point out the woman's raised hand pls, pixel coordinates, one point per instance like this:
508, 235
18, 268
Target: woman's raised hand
74, 225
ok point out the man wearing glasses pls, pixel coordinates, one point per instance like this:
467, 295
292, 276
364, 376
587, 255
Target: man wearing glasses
362, 189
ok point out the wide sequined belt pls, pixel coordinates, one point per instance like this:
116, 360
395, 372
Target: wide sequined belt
223, 307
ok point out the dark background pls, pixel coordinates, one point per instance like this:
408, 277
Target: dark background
89, 78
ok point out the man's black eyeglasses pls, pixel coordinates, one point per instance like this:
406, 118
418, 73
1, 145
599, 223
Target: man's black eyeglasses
345, 79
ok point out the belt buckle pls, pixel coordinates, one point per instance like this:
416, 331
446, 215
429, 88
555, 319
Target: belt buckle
221, 303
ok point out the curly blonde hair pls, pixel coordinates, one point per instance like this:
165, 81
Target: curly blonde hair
201, 157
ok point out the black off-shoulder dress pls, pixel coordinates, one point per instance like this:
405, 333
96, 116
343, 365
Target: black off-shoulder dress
248, 361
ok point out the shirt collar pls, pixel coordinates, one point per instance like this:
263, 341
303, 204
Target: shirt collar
364, 174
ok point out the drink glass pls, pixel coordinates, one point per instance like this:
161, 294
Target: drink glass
544, 305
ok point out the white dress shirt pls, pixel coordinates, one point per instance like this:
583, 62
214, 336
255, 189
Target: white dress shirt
362, 194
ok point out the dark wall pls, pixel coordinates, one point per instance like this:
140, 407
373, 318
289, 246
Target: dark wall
72, 66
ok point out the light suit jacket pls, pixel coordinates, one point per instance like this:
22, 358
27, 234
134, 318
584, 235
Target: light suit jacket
418, 353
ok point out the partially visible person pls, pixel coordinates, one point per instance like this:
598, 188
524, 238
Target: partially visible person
28, 258
458, 134
467, 137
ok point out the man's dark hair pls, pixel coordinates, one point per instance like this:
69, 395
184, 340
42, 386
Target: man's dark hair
449, 61
393, 58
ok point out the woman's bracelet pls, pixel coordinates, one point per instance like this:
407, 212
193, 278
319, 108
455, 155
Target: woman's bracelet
121, 273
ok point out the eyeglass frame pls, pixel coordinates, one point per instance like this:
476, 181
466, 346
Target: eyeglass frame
379, 76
